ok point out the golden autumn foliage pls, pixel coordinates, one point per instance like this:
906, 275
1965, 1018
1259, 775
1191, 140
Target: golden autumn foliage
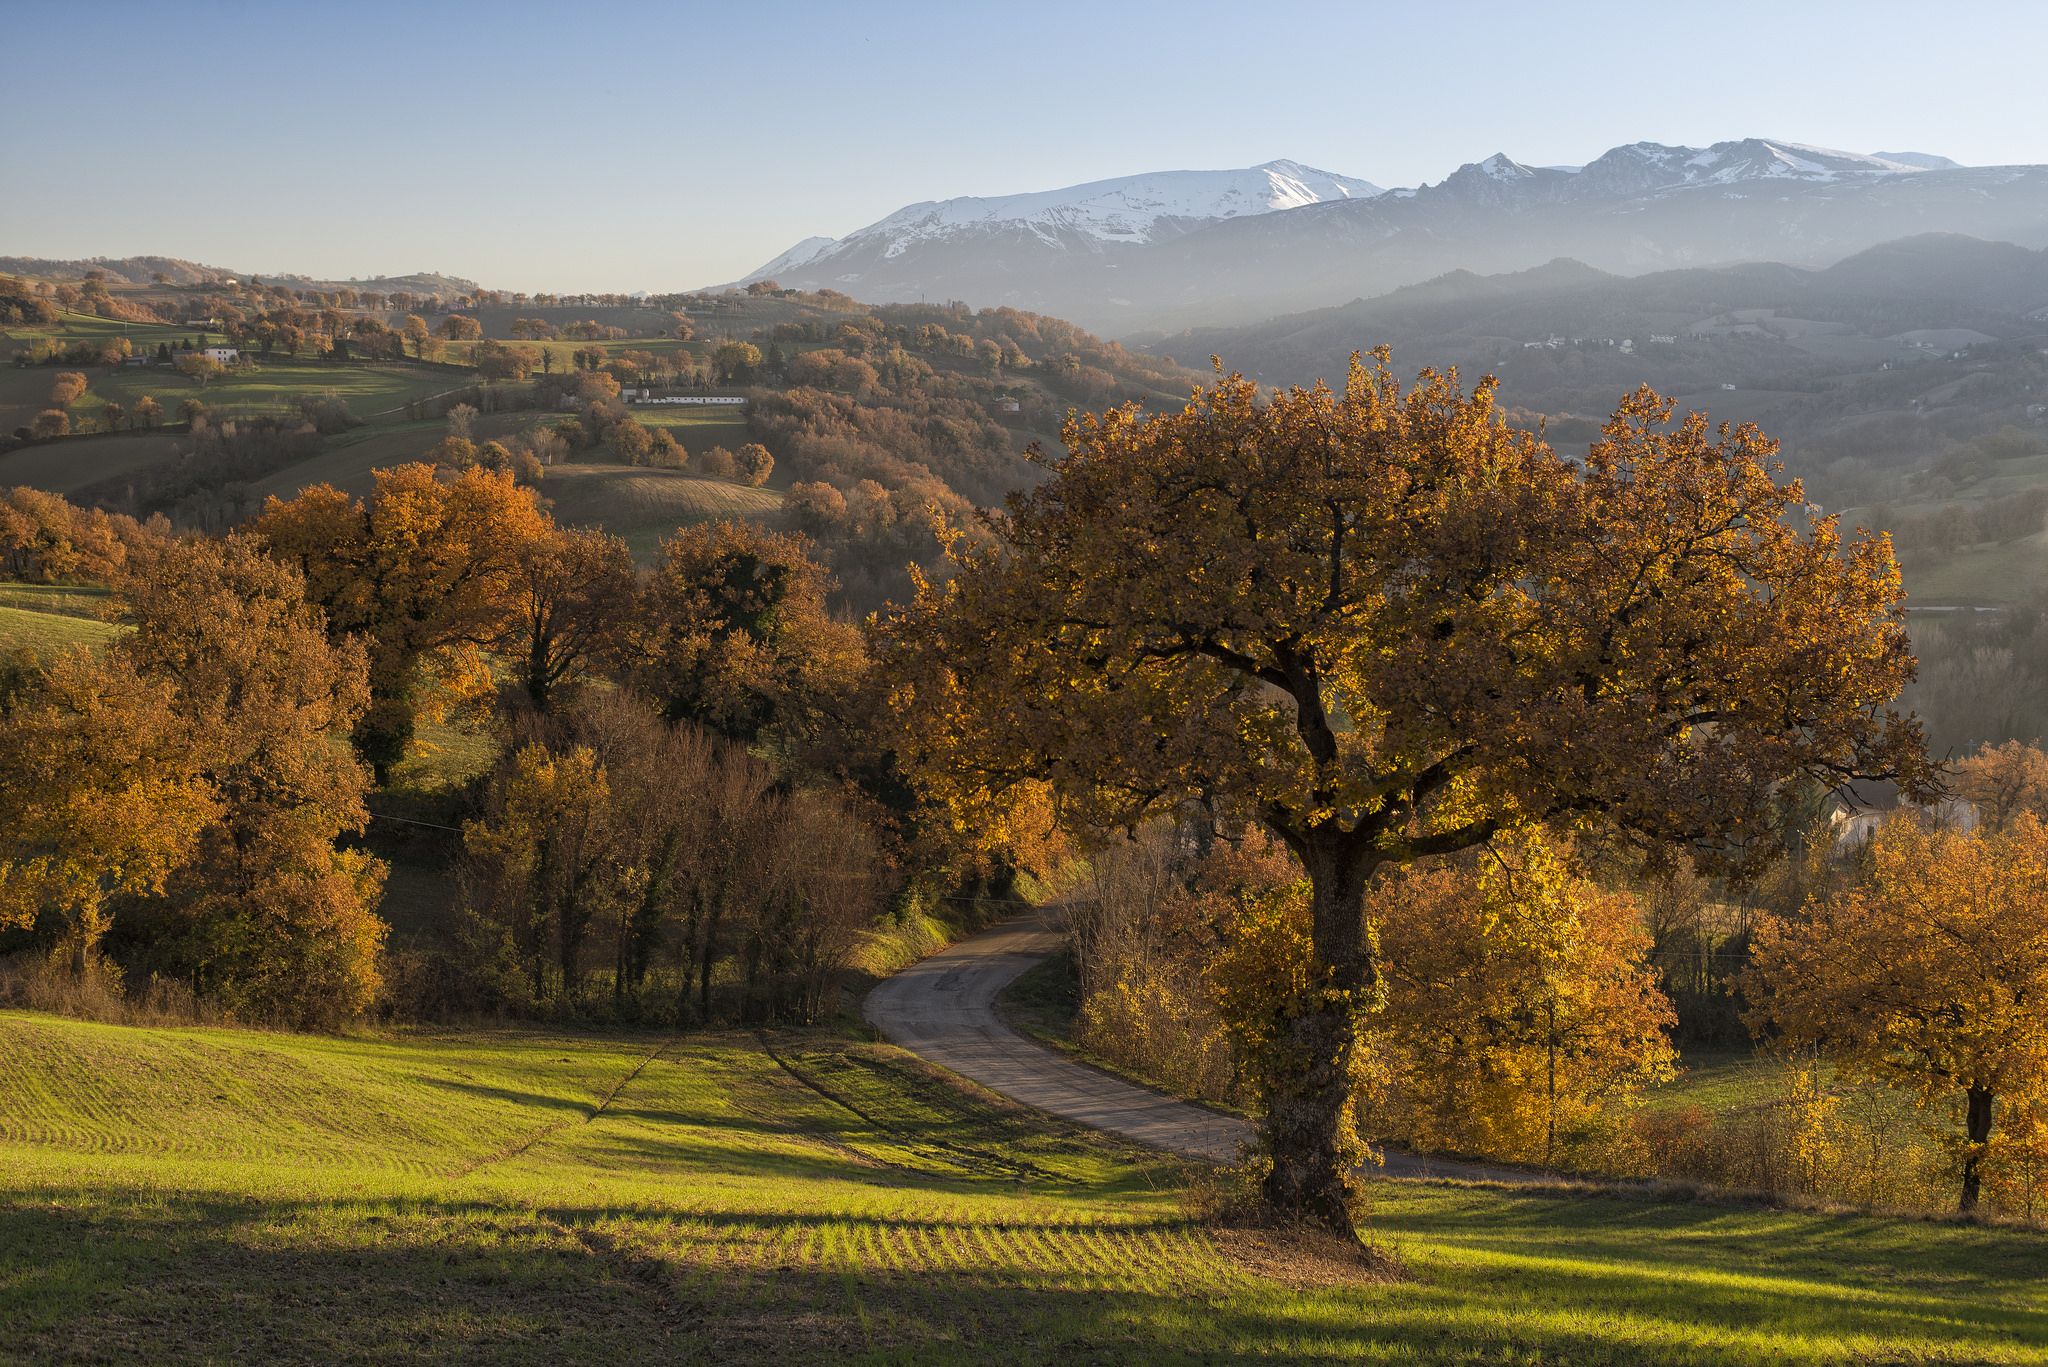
104, 796
1517, 1018
194, 779
267, 912
1930, 974
612, 838
732, 632
45, 539
2004, 781
1518, 1007
570, 603
1386, 626
422, 568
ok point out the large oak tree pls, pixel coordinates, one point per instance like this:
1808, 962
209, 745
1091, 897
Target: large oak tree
1387, 626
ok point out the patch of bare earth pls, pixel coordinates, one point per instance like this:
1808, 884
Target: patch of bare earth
1306, 1257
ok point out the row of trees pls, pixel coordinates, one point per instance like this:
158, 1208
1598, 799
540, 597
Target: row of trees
668, 864
194, 776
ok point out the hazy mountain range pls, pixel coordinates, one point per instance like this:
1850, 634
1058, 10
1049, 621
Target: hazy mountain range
1176, 249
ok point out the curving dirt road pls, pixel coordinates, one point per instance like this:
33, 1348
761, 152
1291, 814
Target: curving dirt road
942, 1009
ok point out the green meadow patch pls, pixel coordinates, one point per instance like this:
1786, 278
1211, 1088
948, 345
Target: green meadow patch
47, 633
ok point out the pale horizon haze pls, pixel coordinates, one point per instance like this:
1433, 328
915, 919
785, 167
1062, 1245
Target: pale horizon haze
664, 147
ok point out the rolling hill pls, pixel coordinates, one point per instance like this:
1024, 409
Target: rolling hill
532, 1196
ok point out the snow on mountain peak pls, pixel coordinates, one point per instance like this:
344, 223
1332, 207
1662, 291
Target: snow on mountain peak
1129, 209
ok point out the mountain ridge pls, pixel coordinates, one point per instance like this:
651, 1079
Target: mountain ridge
1638, 207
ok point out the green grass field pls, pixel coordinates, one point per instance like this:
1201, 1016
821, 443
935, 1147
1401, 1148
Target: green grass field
188, 1195
1987, 575
46, 633
65, 600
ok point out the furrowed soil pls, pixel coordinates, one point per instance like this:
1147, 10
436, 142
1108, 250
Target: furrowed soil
187, 1195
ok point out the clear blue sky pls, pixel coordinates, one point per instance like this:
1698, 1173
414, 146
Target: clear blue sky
642, 146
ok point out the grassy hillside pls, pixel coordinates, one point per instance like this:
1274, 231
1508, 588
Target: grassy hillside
49, 632
184, 1195
643, 505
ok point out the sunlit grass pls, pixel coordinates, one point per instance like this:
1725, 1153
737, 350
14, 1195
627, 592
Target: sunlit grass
516, 1196
46, 633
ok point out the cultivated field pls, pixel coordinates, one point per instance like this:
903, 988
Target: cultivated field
183, 1195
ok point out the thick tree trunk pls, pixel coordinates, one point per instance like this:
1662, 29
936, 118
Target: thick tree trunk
1977, 1127
1306, 1105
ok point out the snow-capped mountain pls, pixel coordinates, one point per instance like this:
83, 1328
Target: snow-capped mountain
1129, 210
1182, 248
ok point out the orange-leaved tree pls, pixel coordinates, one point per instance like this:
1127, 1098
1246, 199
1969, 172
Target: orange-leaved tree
422, 568
1930, 974
105, 796
733, 635
1387, 627
2003, 781
571, 600
269, 913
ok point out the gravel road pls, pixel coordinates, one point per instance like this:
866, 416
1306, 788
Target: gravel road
943, 1009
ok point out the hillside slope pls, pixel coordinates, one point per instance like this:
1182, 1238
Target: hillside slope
184, 1195
1870, 371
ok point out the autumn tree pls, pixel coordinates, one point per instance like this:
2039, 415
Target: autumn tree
268, 912
105, 797
632, 442
735, 360
571, 596
1929, 974
45, 539
539, 863
199, 367
755, 464
51, 422
1388, 627
457, 328
66, 388
148, 412
1518, 1002
732, 632
415, 330
2004, 781
423, 568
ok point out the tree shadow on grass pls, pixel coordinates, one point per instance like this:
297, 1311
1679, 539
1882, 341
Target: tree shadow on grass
177, 1280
